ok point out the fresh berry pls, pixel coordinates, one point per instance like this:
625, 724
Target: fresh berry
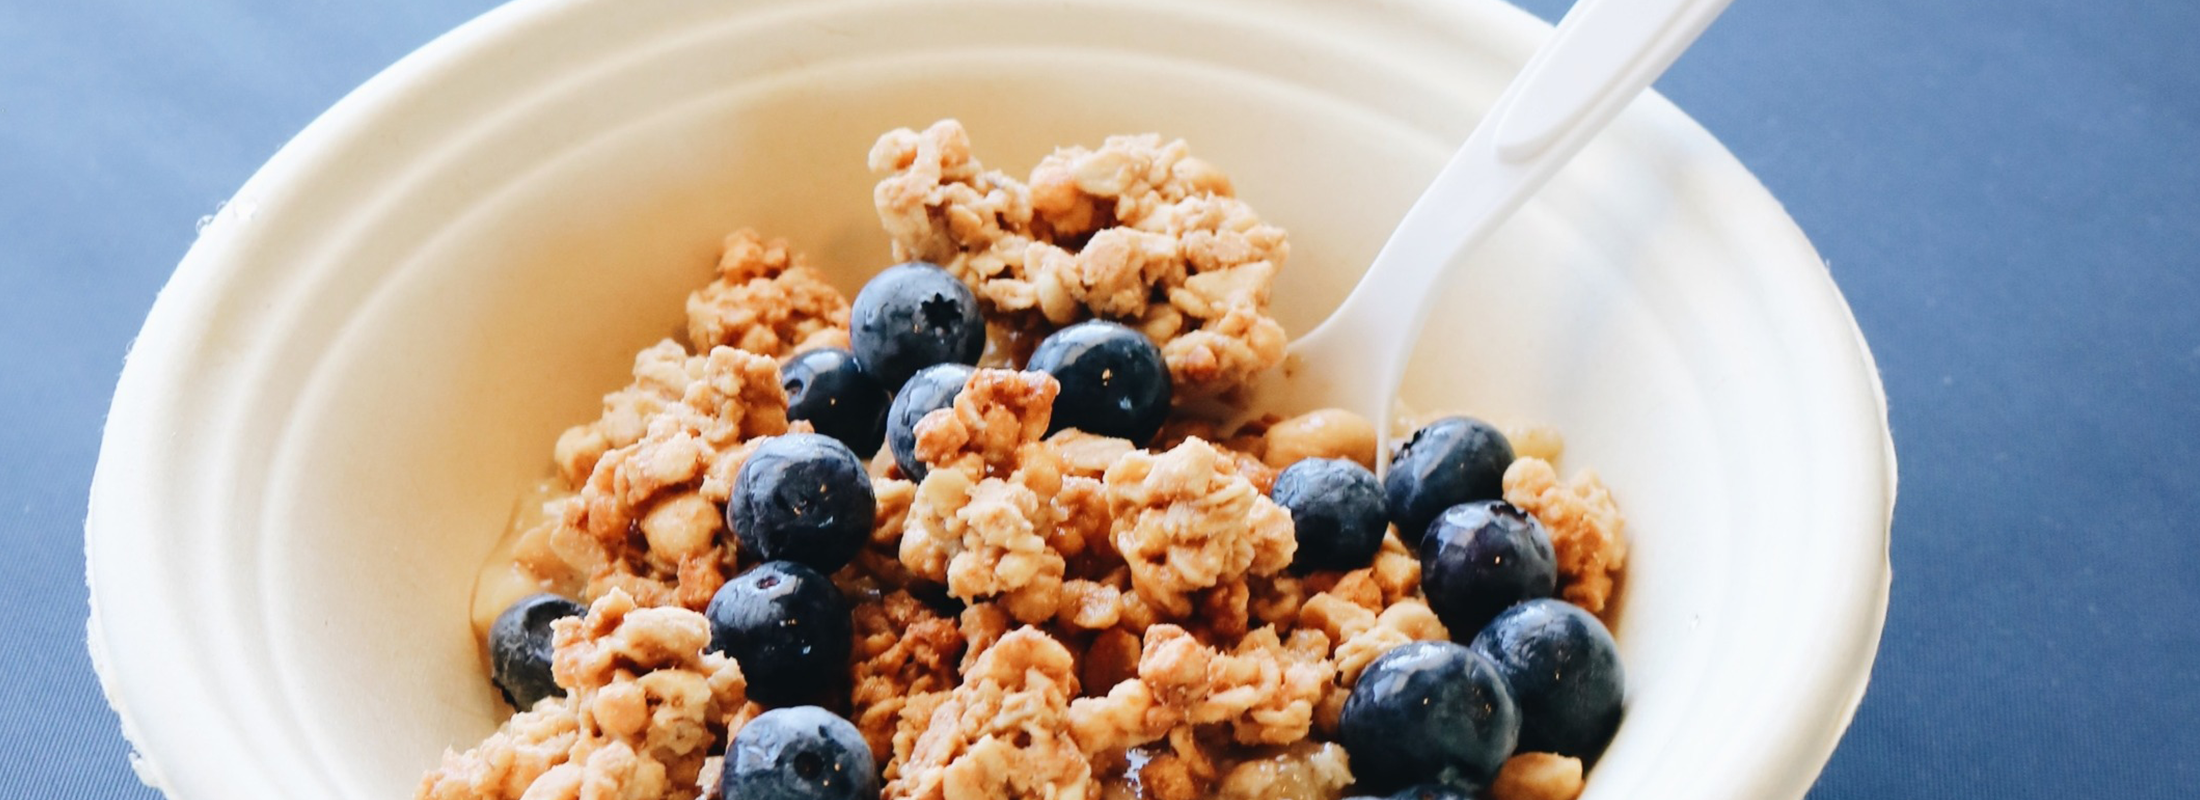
799, 753
802, 497
1482, 557
1337, 508
931, 389
828, 388
788, 627
912, 316
1447, 462
1114, 382
1564, 672
519, 648
1428, 712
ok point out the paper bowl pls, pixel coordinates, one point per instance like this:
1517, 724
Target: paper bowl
367, 355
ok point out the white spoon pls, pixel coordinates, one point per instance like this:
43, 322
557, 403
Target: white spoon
1604, 53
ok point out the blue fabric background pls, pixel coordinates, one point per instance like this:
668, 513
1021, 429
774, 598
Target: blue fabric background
2007, 190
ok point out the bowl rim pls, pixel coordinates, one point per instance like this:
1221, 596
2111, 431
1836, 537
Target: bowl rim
129, 480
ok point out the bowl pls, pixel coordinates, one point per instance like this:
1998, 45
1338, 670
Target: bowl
367, 354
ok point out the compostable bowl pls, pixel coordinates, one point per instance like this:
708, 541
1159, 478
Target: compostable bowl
366, 356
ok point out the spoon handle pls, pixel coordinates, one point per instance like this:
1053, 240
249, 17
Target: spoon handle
1604, 53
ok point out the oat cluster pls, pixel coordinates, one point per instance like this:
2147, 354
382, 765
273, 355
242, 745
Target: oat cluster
1063, 617
1584, 523
1137, 231
644, 710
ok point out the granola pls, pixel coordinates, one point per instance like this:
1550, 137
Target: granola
903, 649
1584, 523
644, 707
982, 518
1003, 733
765, 300
1137, 231
1062, 616
1186, 521
666, 485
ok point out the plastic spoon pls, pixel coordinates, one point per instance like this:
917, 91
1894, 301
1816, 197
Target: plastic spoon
1604, 53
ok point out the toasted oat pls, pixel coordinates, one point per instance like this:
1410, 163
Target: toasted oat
765, 300
1187, 521
1137, 231
1003, 733
1538, 776
1586, 528
903, 649
644, 708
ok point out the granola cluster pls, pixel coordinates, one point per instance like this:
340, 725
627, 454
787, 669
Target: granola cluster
1066, 616
666, 484
1186, 523
1003, 732
1584, 523
1152, 588
1137, 231
644, 707
767, 301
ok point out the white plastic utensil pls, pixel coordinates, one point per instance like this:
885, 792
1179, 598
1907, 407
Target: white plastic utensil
1604, 53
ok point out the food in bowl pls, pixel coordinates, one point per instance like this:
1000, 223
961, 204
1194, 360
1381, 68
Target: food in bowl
960, 537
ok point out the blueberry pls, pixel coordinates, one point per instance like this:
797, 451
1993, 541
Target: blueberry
912, 316
802, 497
1480, 558
1337, 508
788, 627
931, 389
1563, 670
800, 753
1428, 712
519, 648
1447, 462
828, 388
1114, 382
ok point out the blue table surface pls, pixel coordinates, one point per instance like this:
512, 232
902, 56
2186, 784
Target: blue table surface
2008, 191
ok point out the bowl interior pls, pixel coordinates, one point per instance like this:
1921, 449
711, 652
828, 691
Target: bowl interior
376, 344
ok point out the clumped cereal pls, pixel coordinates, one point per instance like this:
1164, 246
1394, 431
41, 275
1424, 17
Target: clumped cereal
998, 413
982, 517
1003, 733
1069, 617
658, 484
503, 766
1264, 689
1186, 521
662, 373
644, 706
1584, 523
1137, 231
766, 301
903, 649
1406, 621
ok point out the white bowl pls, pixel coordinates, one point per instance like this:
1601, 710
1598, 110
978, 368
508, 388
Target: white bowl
367, 355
